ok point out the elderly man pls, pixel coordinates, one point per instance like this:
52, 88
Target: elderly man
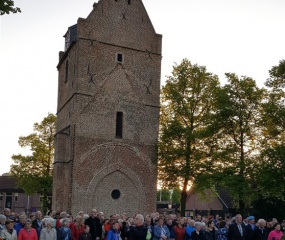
95, 226
7, 213
236, 229
139, 231
260, 232
37, 223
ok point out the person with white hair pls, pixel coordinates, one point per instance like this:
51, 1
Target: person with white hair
64, 233
260, 232
94, 223
48, 232
2, 222
139, 231
198, 233
236, 229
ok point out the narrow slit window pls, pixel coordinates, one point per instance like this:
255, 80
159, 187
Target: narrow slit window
119, 125
16, 197
66, 71
119, 58
129, 2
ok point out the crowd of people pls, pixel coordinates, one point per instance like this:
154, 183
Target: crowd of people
155, 226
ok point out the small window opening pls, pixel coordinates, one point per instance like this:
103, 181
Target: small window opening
119, 58
129, 2
119, 125
66, 71
116, 194
16, 197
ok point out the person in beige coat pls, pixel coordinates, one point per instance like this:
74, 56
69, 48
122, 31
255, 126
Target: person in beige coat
9, 233
48, 232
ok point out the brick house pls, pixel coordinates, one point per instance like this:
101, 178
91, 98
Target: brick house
15, 198
210, 203
108, 112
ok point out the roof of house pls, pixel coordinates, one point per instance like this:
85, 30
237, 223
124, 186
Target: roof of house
8, 184
222, 194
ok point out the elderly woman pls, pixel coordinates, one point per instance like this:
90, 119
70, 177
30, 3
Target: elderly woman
64, 233
28, 232
198, 233
48, 232
9, 233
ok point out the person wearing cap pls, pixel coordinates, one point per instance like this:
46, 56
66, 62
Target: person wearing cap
249, 228
28, 232
9, 233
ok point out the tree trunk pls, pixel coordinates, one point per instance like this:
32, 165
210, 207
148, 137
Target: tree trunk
184, 197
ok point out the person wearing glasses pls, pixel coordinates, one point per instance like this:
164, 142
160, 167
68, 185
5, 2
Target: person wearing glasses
28, 232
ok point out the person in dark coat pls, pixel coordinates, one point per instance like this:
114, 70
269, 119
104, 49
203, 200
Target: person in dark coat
95, 225
236, 229
261, 232
170, 226
139, 231
37, 223
249, 228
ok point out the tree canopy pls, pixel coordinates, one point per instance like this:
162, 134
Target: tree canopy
33, 173
187, 103
7, 7
229, 136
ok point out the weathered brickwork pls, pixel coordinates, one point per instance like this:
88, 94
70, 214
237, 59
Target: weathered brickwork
112, 66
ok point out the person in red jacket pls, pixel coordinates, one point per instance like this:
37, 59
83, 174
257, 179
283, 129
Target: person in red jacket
180, 230
77, 228
28, 233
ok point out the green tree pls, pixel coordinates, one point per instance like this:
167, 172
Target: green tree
7, 7
238, 117
187, 105
277, 76
269, 167
33, 173
165, 194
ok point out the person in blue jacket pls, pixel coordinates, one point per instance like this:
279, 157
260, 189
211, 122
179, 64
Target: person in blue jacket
114, 232
189, 229
160, 231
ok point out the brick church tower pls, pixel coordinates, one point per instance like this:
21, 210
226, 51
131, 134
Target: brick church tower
108, 112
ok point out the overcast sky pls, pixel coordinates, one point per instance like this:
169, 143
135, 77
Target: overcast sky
242, 36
